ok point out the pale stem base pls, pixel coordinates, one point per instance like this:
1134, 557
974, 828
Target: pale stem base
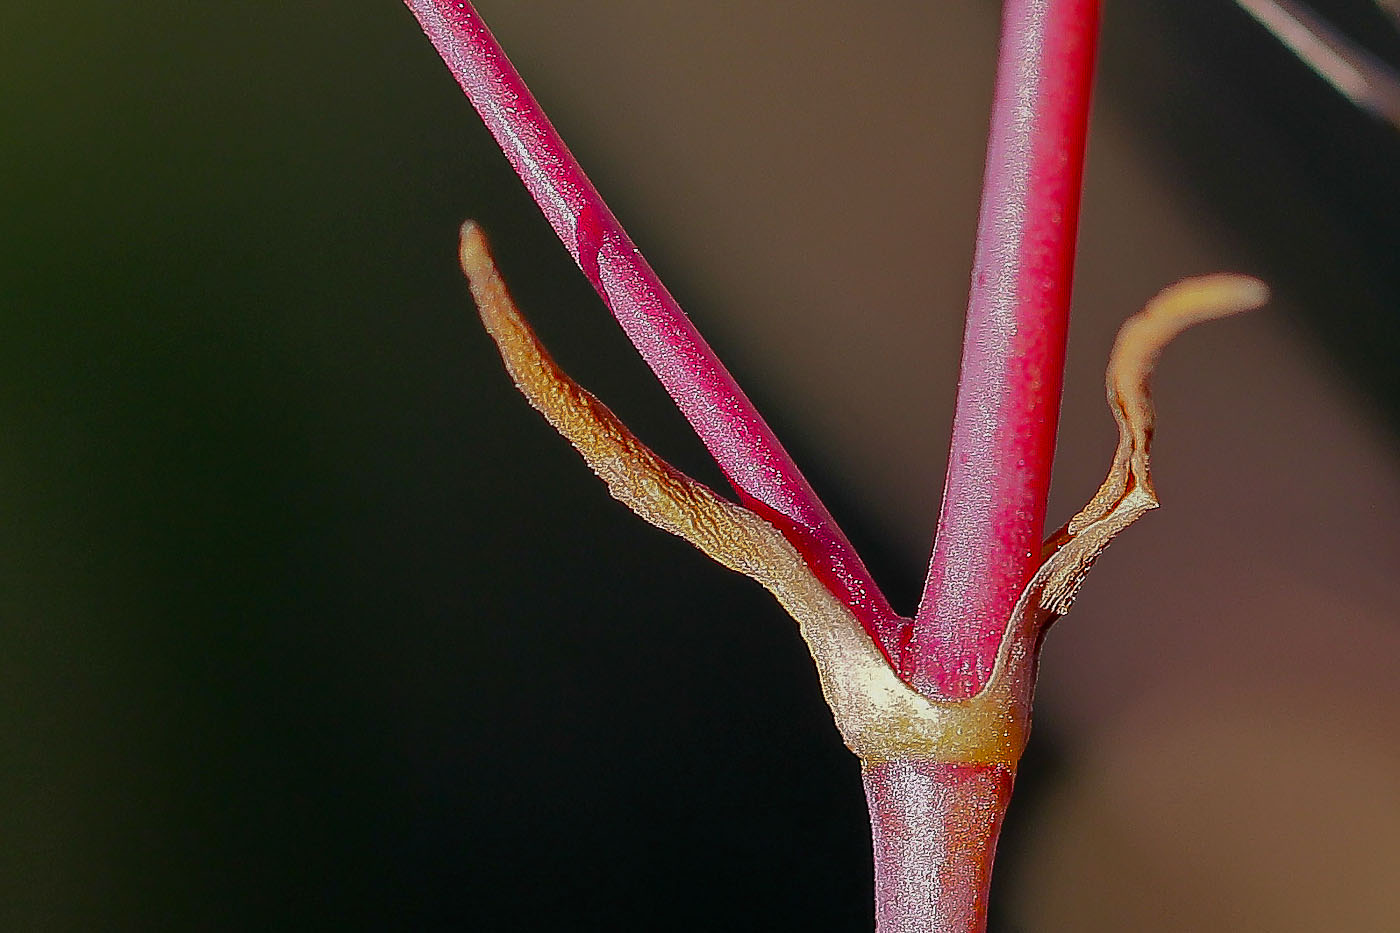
934, 828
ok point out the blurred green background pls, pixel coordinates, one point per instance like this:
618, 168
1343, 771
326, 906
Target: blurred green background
306, 621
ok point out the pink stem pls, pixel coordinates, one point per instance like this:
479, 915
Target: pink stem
993, 515
934, 828
736, 435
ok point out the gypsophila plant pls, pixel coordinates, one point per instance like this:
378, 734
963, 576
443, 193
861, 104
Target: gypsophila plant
937, 706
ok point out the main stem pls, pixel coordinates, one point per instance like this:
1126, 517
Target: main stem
993, 514
934, 828
935, 825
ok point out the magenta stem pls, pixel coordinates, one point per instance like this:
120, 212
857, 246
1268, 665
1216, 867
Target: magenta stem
993, 515
934, 828
934, 825
736, 435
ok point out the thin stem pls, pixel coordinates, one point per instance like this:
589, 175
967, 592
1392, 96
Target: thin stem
731, 428
1360, 77
993, 515
934, 828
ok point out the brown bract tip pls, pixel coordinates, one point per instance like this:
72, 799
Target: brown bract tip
1127, 492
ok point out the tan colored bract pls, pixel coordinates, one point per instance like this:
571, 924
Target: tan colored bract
880, 717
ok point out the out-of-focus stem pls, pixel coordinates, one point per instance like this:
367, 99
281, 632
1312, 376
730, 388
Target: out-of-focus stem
993, 514
934, 828
736, 435
1360, 77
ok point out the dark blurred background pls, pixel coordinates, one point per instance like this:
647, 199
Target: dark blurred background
307, 621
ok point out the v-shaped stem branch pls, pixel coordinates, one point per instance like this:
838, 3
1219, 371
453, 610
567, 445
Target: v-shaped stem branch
1003, 434
938, 773
936, 707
